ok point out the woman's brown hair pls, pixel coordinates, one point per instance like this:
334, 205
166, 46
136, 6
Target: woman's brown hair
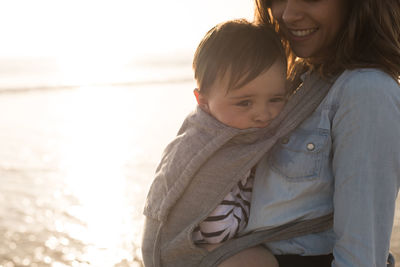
371, 38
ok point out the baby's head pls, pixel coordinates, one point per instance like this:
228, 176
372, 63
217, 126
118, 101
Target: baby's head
240, 69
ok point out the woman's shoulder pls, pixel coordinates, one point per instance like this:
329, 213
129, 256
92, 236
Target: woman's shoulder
366, 82
367, 74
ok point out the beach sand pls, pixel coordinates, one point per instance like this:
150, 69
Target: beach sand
75, 167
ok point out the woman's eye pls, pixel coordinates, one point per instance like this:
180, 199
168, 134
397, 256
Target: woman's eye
245, 103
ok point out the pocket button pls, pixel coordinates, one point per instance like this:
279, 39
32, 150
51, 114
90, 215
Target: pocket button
310, 146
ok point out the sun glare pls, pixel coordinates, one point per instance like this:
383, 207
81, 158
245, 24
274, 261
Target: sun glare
118, 29
92, 41
93, 158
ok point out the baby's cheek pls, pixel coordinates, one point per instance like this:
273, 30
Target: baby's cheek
279, 108
243, 123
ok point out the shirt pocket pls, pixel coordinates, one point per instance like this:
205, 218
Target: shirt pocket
300, 156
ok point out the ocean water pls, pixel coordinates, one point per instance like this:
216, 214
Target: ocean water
42, 73
76, 161
78, 153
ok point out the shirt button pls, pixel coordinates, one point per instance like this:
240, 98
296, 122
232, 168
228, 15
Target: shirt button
310, 146
285, 140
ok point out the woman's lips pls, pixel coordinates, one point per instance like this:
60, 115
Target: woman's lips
301, 33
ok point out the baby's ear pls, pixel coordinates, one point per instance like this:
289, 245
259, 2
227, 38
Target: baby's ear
201, 99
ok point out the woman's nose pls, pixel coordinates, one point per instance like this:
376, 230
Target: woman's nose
292, 11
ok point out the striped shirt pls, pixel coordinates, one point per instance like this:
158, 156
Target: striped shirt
230, 217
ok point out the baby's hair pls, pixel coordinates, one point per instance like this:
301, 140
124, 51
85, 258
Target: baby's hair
239, 47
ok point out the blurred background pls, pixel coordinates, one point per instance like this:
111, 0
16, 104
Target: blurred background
90, 94
91, 91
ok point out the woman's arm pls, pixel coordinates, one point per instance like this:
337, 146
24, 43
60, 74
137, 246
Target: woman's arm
366, 167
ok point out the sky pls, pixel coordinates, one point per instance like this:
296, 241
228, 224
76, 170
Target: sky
116, 29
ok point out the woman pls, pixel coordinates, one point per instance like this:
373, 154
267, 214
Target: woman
345, 156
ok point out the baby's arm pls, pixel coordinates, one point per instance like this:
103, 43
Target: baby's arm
211, 233
229, 217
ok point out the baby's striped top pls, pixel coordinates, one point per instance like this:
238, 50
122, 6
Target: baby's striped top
230, 217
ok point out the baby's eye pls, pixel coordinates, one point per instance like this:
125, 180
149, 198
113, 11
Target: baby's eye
277, 99
244, 103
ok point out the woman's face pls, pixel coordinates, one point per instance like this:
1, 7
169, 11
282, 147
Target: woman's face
310, 26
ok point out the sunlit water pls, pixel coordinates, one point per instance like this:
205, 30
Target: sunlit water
75, 167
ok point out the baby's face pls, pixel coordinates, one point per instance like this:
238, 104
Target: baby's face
254, 105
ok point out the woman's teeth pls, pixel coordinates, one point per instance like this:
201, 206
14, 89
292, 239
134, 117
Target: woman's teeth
302, 33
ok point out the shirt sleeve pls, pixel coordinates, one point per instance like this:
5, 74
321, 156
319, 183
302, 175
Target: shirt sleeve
366, 168
230, 217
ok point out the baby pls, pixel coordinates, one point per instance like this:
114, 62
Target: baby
240, 70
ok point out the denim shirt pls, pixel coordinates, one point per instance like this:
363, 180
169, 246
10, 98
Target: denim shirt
344, 158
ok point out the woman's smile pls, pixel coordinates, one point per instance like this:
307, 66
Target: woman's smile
310, 27
302, 32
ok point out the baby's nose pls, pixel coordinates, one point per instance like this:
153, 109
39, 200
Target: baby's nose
263, 115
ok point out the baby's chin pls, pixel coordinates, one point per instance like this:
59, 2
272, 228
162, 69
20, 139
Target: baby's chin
252, 126
244, 127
